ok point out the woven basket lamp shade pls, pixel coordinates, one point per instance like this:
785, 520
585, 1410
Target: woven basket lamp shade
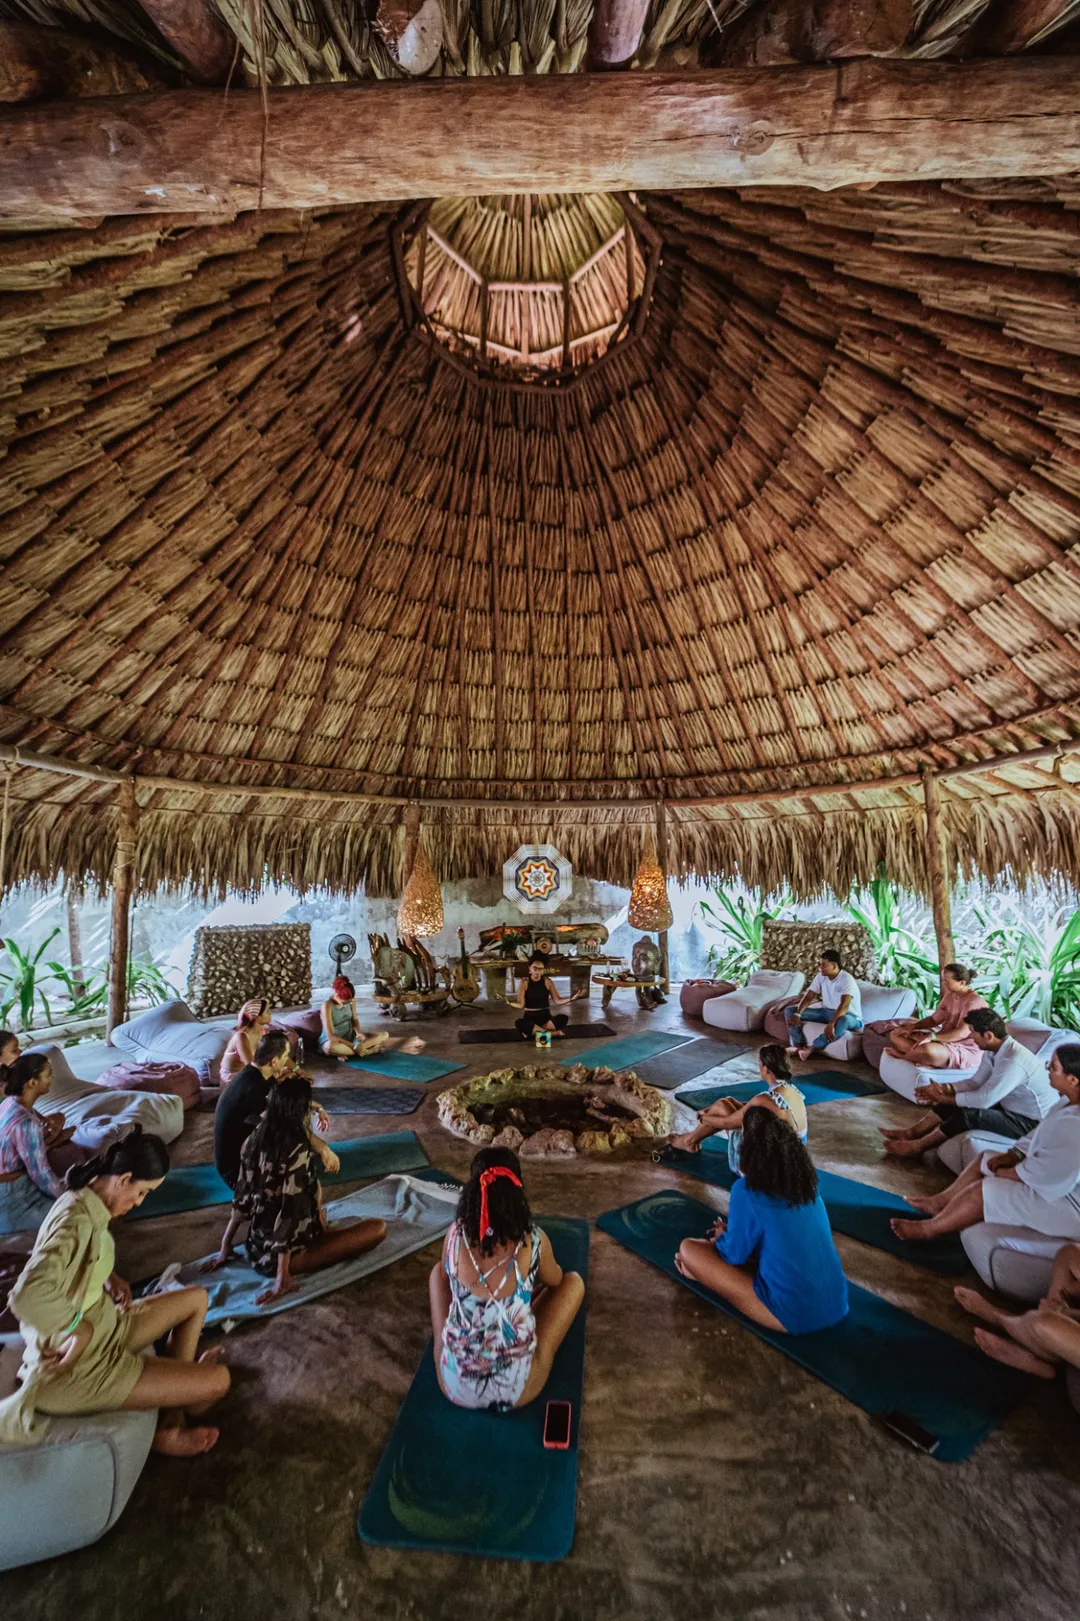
650, 908
421, 909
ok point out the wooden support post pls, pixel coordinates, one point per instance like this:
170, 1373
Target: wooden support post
661, 856
78, 979
526, 238
411, 823
197, 35
123, 874
484, 312
567, 354
940, 865
615, 32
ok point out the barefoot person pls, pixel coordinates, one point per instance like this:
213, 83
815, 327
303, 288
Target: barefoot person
1038, 1341
341, 1036
84, 1333
1034, 1183
833, 999
501, 1304
279, 1196
942, 1040
773, 1258
537, 996
727, 1114
28, 1183
1008, 1095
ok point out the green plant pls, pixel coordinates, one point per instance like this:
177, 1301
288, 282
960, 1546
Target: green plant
1027, 962
25, 983
904, 953
739, 925
146, 979
88, 992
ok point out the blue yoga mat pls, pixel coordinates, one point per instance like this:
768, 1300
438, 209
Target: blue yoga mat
855, 1208
404, 1066
190, 1187
880, 1357
626, 1051
814, 1091
462, 1481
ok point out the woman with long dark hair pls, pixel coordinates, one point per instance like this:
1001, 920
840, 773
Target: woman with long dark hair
279, 1196
501, 1304
773, 1258
28, 1183
84, 1334
781, 1095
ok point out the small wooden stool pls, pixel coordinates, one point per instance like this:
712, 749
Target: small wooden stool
649, 991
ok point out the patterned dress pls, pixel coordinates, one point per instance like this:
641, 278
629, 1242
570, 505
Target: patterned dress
27, 1198
281, 1201
488, 1343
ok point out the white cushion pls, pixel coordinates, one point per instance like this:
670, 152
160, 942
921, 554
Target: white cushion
904, 1077
957, 1153
845, 1048
99, 1113
172, 1031
1013, 1260
885, 1002
68, 1489
1040, 1039
744, 1009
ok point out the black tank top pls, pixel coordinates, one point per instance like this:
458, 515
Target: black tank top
536, 995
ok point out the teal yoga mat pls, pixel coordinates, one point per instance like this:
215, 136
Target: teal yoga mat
190, 1187
404, 1066
626, 1051
462, 1481
855, 1208
828, 1087
881, 1358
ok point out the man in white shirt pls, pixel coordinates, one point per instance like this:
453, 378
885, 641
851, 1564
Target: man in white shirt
1008, 1095
833, 999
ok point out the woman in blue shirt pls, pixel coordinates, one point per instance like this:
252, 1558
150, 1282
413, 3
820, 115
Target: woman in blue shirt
774, 1258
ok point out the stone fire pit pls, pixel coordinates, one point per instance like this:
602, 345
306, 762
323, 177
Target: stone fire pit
547, 1110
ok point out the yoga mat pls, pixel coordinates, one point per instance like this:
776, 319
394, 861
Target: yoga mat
190, 1187
404, 1066
504, 1036
464, 1481
881, 1358
814, 1091
627, 1051
683, 1063
373, 1100
854, 1208
416, 1210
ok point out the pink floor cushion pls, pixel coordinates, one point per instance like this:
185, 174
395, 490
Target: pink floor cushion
696, 992
876, 1039
151, 1076
307, 1024
775, 1023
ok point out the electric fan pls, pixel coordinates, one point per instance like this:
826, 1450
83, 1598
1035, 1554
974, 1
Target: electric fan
342, 949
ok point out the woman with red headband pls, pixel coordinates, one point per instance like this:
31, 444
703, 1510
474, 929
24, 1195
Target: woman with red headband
341, 1036
501, 1304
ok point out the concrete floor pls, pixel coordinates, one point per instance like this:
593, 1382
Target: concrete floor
717, 1478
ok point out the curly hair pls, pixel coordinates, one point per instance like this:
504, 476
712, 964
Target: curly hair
508, 1207
773, 1161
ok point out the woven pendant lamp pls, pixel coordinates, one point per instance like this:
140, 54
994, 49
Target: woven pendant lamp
650, 908
421, 909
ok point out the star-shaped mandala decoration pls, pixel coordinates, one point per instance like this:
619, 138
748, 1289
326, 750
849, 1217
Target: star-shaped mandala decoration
537, 878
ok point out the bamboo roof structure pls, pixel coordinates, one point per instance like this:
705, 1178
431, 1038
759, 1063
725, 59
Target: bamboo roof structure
274, 545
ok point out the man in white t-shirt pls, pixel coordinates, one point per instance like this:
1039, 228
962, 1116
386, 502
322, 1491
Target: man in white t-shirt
833, 999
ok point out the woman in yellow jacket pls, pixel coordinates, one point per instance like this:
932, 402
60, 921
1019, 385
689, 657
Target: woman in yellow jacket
84, 1334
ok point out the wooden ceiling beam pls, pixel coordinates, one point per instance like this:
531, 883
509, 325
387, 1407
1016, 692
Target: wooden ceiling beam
197, 35
615, 33
182, 151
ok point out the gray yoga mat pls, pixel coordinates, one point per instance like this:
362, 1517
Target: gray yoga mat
681, 1064
369, 1099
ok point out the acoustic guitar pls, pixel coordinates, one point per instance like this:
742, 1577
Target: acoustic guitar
466, 988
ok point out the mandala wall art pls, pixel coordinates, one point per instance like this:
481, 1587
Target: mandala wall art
537, 878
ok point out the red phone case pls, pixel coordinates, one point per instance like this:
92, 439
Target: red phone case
559, 1406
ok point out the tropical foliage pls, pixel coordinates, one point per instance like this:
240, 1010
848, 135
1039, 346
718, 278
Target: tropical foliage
904, 947
739, 925
84, 992
1027, 959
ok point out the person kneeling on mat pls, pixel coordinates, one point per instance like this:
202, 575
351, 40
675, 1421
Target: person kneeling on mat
501, 1304
279, 1196
773, 1258
1040, 1340
1033, 1183
727, 1114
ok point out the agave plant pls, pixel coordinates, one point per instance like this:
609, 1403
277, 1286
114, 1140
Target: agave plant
904, 953
25, 984
740, 927
1027, 961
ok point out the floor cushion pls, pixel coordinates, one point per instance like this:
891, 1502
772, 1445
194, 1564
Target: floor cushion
903, 1077
957, 1153
307, 1024
694, 993
878, 1002
172, 1033
1014, 1260
744, 1009
875, 1038
68, 1489
99, 1114
147, 1076
1039, 1038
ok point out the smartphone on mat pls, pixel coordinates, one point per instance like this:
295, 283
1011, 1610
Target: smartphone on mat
909, 1430
557, 1425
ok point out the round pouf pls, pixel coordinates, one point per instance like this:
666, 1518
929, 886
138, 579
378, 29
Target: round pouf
903, 1077
696, 992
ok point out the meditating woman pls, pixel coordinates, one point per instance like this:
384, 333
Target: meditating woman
252, 1023
279, 1196
501, 1304
28, 1183
943, 1039
773, 1258
727, 1114
1033, 1183
84, 1333
342, 1037
1038, 1341
537, 995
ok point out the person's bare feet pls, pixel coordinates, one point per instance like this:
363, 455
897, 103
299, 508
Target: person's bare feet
415, 1044
904, 1147
183, 1441
805, 1053
929, 1204
976, 1304
685, 1141
212, 1354
679, 1265
911, 1229
1013, 1355
792, 1052
895, 1133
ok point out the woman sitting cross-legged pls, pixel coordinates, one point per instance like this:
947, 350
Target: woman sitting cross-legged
1033, 1183
536, 997
943, 1039
773, 1258
1040, 1340
28, 1183
727, 1114
342, 1037
84, 1333
279, 1196
501, 1304
252, 1023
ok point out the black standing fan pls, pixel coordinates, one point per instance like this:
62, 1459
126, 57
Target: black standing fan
342, 949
